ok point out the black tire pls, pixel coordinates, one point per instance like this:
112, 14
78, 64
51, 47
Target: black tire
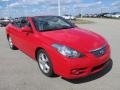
11, 45
50, 72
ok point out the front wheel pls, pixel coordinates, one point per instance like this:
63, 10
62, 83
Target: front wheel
44, 63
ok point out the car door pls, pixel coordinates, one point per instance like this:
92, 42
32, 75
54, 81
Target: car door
27, 39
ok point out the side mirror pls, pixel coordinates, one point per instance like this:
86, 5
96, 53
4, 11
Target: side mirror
26, 29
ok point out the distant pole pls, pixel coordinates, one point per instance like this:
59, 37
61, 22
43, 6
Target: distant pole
59, 11
81, 12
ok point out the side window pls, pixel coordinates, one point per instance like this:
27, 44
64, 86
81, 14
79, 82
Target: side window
21, 22
25, 22
16, 22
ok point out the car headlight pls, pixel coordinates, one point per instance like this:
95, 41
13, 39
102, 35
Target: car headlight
66, 51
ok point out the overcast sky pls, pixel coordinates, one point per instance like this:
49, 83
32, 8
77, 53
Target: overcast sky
49, 7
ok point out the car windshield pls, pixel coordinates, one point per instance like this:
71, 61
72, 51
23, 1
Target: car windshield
49, 23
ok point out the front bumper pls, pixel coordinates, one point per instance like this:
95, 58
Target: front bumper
80, 67
82, 71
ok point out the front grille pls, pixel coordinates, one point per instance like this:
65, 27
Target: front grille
99, 52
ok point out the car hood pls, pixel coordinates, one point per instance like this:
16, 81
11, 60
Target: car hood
76, 38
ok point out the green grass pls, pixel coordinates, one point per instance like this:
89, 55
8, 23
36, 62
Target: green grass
81, 21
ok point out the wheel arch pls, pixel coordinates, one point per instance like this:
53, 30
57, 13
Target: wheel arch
37, 49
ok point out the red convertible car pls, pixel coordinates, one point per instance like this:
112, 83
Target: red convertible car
59, 46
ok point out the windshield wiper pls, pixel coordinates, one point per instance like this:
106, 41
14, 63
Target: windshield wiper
66, 27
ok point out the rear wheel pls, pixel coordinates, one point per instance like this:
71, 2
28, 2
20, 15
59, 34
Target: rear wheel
44, 63
11, 43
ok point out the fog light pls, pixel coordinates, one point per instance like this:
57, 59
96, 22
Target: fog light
76, 71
